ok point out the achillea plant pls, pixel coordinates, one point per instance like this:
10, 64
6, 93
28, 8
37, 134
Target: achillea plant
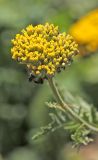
45, 51
85, 31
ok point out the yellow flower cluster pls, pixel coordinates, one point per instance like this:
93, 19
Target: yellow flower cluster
43, 49
85, 31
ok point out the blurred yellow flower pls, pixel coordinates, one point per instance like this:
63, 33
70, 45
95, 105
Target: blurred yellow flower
43, 49
85, 31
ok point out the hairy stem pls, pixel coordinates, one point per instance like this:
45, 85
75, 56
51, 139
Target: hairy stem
68, 108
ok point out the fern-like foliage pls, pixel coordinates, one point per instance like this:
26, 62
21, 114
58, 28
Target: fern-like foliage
79, 133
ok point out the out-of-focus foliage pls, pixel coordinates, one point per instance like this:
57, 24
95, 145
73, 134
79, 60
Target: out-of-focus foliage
61, 120
22, 104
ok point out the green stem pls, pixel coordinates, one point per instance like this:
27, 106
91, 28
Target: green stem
67, 108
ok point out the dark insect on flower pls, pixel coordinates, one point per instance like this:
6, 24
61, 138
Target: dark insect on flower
39, 81
36, 80
31, 77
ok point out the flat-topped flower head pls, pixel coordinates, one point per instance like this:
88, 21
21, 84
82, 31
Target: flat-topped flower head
43, 49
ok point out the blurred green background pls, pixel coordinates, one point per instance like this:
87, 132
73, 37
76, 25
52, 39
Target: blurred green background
22, 104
